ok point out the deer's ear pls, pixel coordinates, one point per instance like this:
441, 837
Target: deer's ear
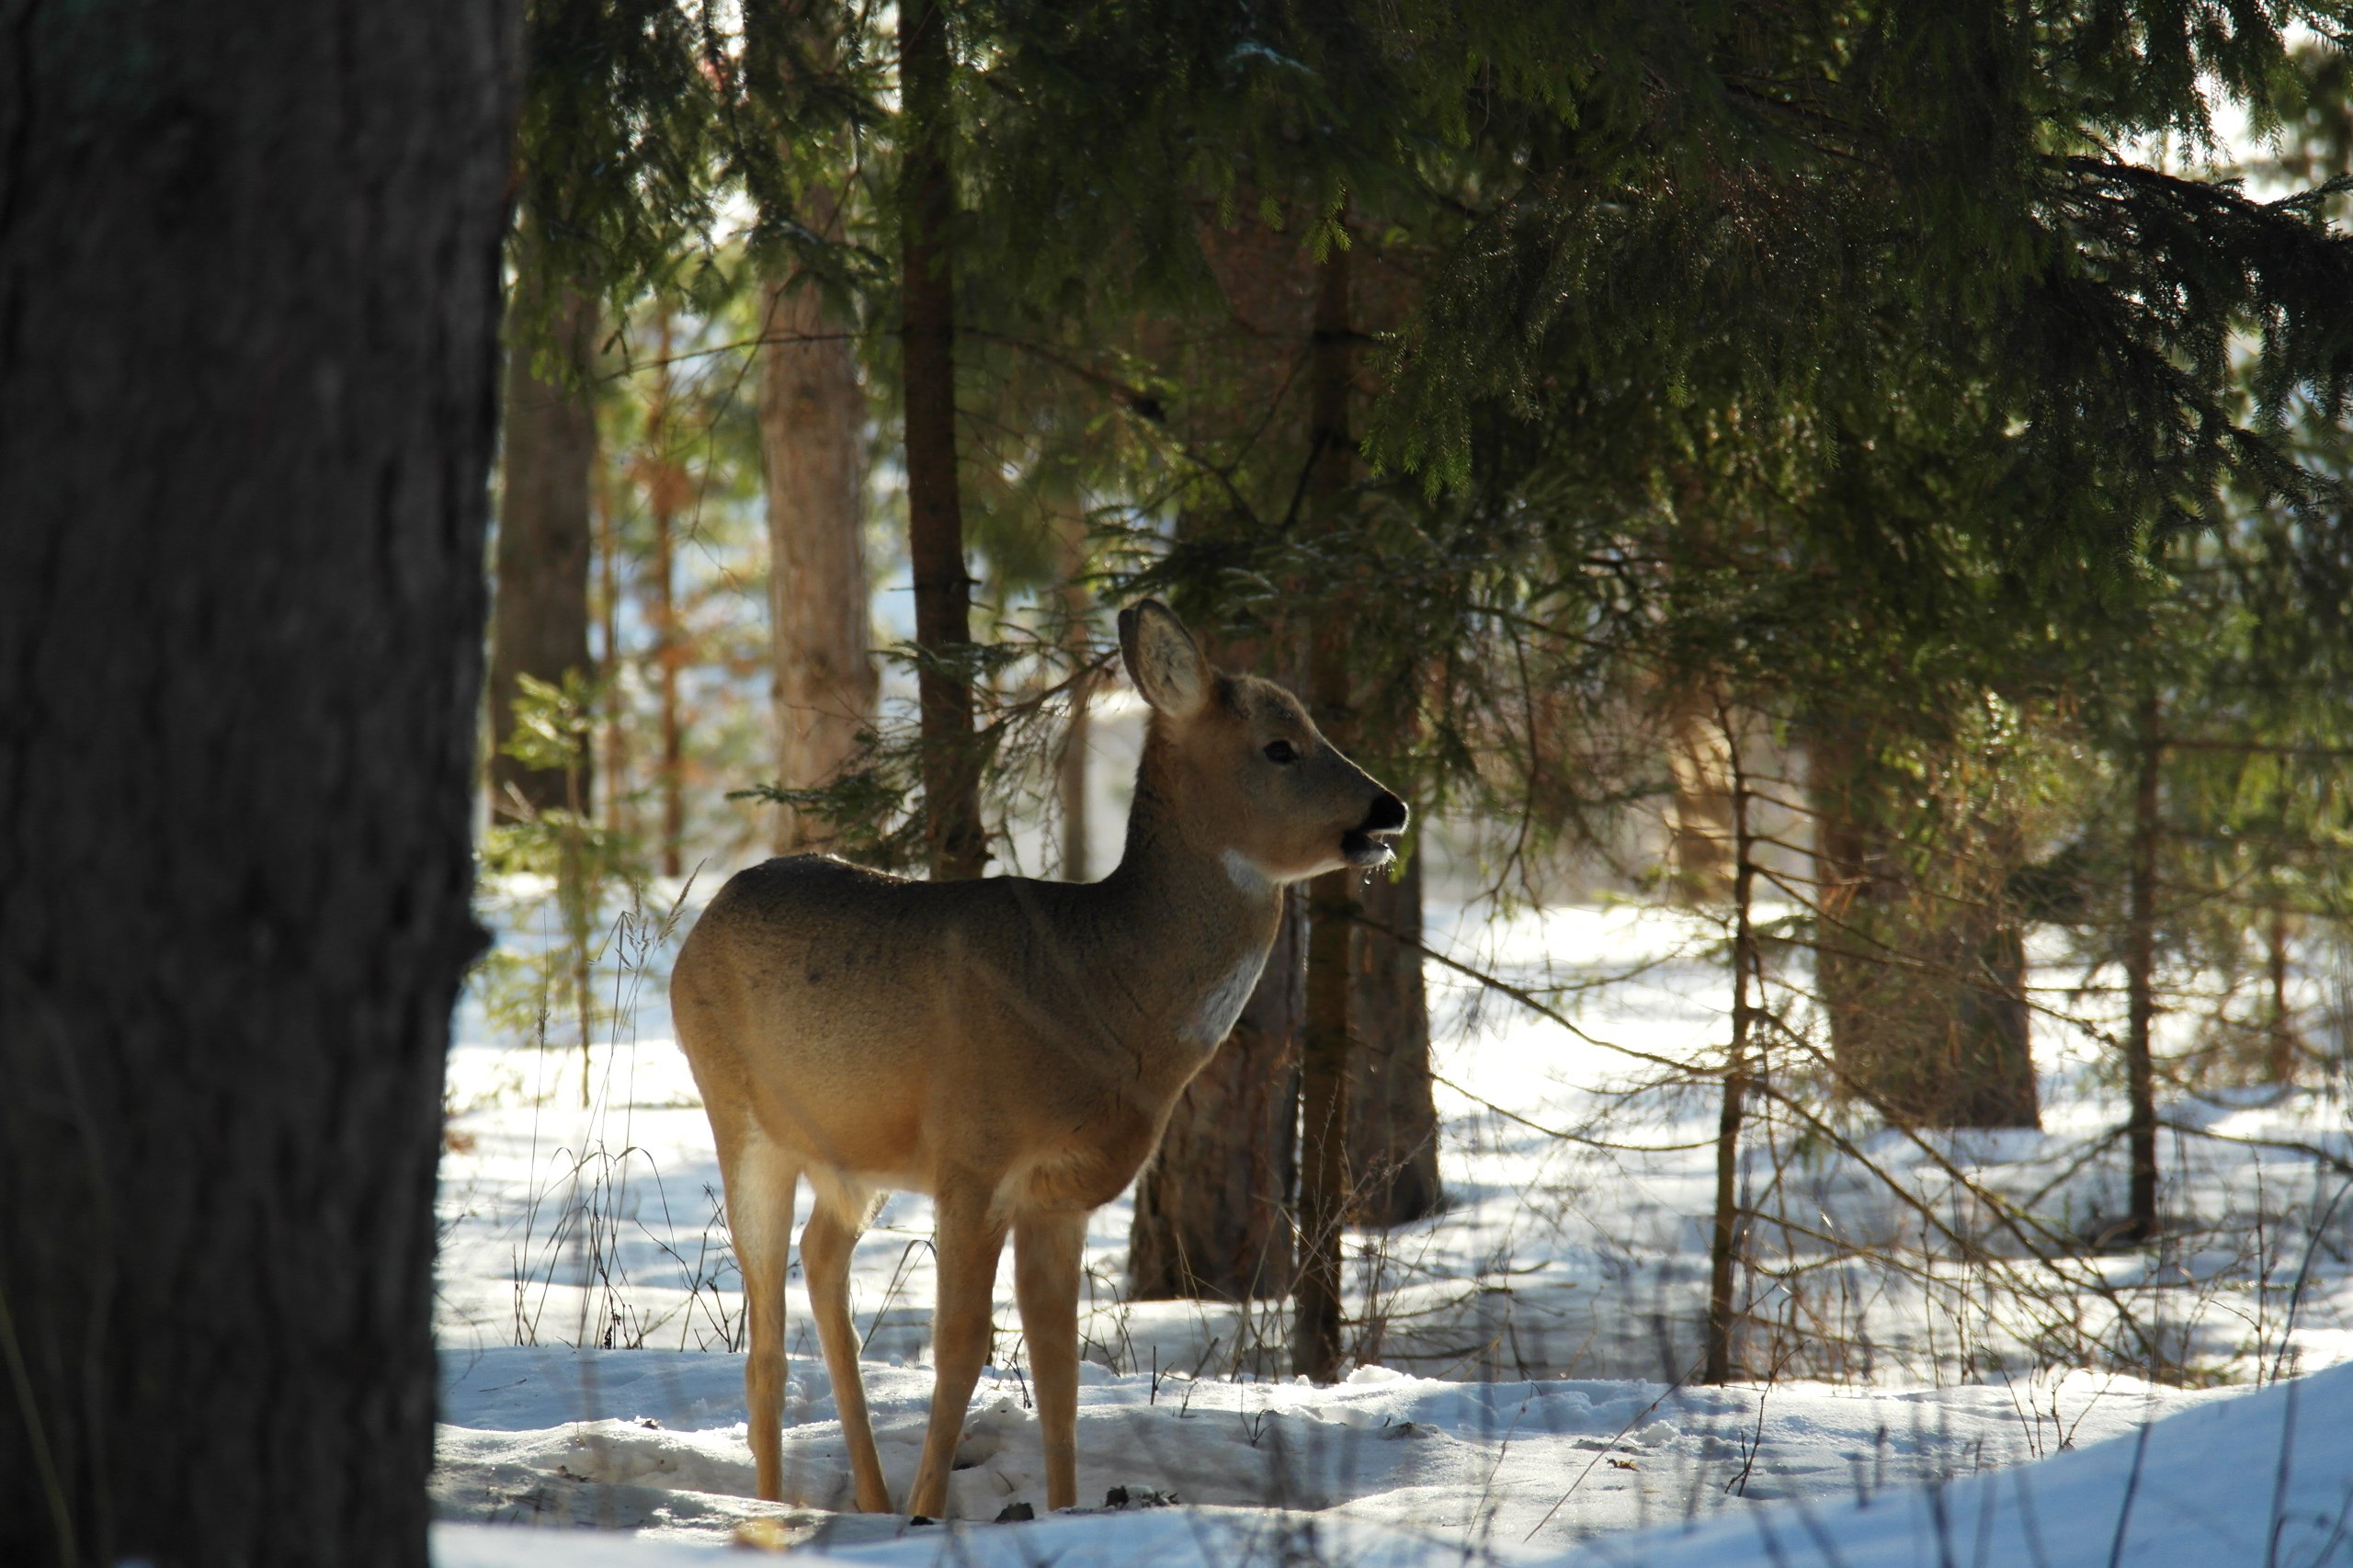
1162, 659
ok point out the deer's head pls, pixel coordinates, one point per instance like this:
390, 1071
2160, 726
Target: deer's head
1252, 779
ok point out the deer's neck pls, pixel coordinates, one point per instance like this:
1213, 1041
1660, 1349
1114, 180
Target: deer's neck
1199, 919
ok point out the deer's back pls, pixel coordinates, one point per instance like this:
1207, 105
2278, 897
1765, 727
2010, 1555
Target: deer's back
864, 1019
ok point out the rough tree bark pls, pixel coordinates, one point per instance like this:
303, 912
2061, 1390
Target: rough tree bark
1393, 1115
547, 461
957, 842
813, 444
249, 314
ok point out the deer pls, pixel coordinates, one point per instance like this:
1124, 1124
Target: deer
1011, 1047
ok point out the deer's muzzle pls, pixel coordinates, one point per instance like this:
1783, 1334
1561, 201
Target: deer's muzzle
1373, 842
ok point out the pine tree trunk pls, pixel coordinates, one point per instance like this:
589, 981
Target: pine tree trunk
548, 457
665, 491
1700, 832
1851, 892
957, 842
1392, 1116
2140, 982
1327, 1033
1924, 988
249, 313
2280, 1046
1071, 768
613, 720
1724, 1254
1212, 1215
813, 425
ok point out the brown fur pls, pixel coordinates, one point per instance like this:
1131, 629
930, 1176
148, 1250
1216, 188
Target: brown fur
1011, 1047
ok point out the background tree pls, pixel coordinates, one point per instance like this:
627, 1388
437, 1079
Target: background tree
813, 447
613, 175
546, 458
238, 723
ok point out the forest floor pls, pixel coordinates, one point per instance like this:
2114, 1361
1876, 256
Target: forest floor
1524, 1361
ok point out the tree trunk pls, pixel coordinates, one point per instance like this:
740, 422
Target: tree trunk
665, 494
1213, 1214
547, 458
1326, 1036
1700, 834
249, 313
2281, 1048
1070, 768
1923, 986
613, 720
1393, 1117
2140, 983
957, 842
813, 443
1724, 1246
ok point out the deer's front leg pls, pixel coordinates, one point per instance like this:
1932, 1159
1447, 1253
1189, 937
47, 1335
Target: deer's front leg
1047, 1251
968, 1240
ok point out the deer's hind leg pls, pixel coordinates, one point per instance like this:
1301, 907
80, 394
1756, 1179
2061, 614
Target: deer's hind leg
760, 1178
825, 1245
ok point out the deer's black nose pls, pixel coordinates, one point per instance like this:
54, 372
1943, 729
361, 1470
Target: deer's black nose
1388, 815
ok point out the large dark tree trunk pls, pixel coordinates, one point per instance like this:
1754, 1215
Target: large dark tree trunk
1393, 1116
957, 842
547, 461
248, 327
813, 444
1214, 1209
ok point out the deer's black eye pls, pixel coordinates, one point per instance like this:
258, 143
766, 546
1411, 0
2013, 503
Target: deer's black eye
1281, 751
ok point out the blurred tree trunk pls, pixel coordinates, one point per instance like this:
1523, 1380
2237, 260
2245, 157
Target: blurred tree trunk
2140, 982
665, 483
958, 843
812, 446
1212, 1215
1924, 988
614, 793
547, 460
1393, 1117
249, 316
1071, 768
1700, 830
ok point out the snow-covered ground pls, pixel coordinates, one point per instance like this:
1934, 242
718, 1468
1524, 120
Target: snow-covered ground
1523, 1379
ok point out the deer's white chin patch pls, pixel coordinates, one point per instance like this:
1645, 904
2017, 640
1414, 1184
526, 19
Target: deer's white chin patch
1213, 1020
1245, 875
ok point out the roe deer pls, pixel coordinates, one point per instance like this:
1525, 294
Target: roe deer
1011, 1047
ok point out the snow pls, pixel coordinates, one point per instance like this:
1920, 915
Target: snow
2261, 1477
1522, 1385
